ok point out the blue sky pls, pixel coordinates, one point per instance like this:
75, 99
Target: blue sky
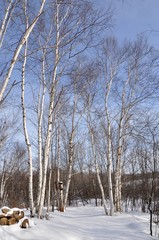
136, 16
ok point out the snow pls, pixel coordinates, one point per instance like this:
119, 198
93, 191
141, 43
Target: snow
82, 223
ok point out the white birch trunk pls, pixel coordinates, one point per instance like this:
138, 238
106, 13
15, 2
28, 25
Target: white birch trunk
120, 138
70, 150
58, 154
31, 202
70, 166
108, 140
96, 162
50, 117
97, 171
47, 148
49, 190
40, 117
18, 49
2, 188
109, 168
6, 21
118, 207
58, 167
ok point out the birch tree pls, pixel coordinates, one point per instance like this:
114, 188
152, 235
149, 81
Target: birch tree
109, 62
40, 112
70, 152
133, 91
95, 157
59, 183
67, 33
73, 30
89, 98
50, 113
6, 20
23, 38
27, 140
121, 84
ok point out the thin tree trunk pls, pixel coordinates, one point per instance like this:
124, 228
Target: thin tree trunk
18, 49
108, 139
2, 188
70, 151
58, 153
120, 137
118, 207
31, 202
47, 150
49, 189
98, 172
50, 117
109, 168
109, 159
70, 167
58, 193
6, 20
40, 117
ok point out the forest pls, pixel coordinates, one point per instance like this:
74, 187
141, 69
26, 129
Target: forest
78, 109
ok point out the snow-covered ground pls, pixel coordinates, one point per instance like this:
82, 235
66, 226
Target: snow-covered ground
82, 223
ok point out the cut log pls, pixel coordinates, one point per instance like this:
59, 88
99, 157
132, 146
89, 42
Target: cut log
18, 215
5, 210
12, 221
3, 221
25, 223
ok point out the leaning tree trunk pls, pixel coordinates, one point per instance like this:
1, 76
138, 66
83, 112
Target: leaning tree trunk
21, 43
6, 20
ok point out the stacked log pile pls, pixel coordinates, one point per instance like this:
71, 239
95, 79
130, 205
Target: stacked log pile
10, 216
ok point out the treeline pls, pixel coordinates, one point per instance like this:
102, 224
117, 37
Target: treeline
84, 188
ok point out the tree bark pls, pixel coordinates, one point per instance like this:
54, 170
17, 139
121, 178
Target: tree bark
40, 118
6, 20
70, 166
28, 144
98, 172
50, 116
